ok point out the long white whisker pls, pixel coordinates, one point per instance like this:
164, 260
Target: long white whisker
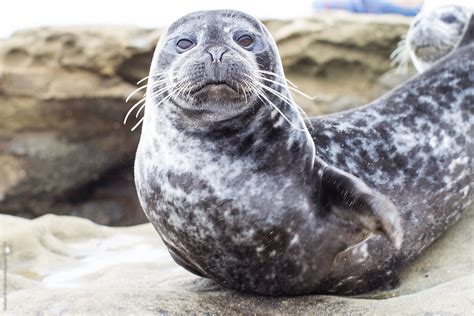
159, 74
135, 91
288, 101
400, 56
140, 109
275, 107
143, 87
257, 91
277, 75
131, 110
164, 77
147, 77
243, 91
304, 128
158, 82
155, 94
141, 120
278, 94
136, 125
291, 88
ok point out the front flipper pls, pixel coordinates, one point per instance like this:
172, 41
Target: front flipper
351, 198
183, 262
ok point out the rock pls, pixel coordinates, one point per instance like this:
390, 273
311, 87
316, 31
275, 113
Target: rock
110, 201
62, 264
62, 102
339, 57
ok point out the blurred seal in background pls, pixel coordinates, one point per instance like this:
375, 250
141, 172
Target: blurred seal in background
432, 35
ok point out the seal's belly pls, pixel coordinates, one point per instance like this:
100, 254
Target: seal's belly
222, 238
229, 246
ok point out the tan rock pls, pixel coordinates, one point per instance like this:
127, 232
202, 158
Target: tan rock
71, 266
62, 103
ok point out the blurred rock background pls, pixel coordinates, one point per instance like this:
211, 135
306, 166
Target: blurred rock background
63, 148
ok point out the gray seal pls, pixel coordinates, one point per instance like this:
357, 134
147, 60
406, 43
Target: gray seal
433, 34
244, 191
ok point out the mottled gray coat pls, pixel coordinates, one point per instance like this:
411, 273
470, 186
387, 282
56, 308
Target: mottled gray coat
241, 196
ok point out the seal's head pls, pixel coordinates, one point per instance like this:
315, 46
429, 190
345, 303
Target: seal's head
206, 64
433, 34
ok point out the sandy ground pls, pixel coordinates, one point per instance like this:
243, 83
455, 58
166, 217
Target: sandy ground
68, 265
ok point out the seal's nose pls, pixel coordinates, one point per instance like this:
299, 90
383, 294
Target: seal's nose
216, 53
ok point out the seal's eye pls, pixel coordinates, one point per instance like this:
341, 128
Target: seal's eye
245, 41
184, 44
448, 18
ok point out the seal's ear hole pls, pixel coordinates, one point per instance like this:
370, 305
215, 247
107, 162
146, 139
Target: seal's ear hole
350, 198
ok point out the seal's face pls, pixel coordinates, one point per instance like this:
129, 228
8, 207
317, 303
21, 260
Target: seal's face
207, 63
434, 34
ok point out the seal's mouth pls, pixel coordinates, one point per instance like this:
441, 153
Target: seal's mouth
419, 49
431, 53
215, 87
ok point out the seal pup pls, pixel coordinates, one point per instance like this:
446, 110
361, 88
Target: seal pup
241, 192
432, 35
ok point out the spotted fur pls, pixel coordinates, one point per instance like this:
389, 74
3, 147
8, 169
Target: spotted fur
238, 194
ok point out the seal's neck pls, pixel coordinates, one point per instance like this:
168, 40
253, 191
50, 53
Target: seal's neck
263, 137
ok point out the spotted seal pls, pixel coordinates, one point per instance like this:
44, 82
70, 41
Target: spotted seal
244, 191
432, 35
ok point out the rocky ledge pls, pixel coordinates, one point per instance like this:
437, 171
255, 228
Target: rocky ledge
68, 265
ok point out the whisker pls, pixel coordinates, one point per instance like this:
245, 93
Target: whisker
400, 56
136, 125
145, 78
304, 128
278, 94
132, 108
291, 88
257, 92
141, 120
154, 94
277, 75
159, 92
243, 91
140, 109
158, 82
135, 91
158, 74
275, 107
288, 101
180, 86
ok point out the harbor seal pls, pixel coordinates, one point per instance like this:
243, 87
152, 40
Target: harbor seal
432, 35
243, 192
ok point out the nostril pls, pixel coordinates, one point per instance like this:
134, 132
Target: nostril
216, 53
222, 54
212, 56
